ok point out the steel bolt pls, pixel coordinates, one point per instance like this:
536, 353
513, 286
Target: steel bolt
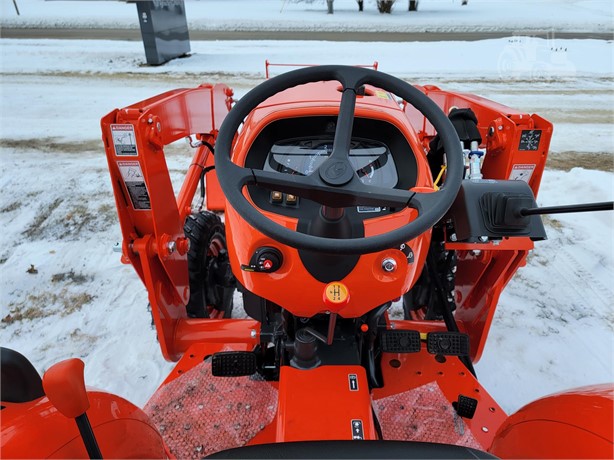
253, 333
171, 246
159, 126
483, 239
389, 264
453, 237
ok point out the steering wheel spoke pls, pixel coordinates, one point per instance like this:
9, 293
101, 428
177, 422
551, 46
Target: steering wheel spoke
424, 201
286, 183
345, 122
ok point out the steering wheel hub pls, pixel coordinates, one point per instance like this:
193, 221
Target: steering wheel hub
336, 172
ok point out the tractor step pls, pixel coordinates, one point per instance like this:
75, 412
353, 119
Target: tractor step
400, 341
465, 406
233, 363
447, 343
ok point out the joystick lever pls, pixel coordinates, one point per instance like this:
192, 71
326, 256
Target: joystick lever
64, 385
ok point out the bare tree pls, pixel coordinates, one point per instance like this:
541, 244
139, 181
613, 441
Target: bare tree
385, 6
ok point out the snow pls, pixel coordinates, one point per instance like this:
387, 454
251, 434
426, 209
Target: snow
433, 15
553, 329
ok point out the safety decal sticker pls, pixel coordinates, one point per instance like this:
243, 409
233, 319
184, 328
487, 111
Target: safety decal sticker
357, 430
529, 139
522, 172
135, 183
353, 378
124, 140
382, 94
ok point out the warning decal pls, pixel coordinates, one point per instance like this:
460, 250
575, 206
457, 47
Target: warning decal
522, 172
124, 140
135, 183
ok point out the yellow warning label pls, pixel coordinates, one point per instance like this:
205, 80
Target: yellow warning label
381, 94
336, 292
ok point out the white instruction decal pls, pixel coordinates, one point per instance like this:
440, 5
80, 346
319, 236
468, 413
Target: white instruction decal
357, 430
353, 378
135, 183
124, 140
522, 172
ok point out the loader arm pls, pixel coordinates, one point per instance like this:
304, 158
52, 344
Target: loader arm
151, 216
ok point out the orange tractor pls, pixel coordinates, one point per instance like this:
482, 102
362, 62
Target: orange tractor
344, 191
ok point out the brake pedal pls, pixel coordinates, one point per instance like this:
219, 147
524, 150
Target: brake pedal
233, 363
400, 341
447, 343
465, 406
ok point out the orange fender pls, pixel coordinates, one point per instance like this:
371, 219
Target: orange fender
573, 424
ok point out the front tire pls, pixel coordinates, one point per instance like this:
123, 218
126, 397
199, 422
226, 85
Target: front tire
212, 283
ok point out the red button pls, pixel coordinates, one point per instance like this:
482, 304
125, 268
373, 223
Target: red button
267, 264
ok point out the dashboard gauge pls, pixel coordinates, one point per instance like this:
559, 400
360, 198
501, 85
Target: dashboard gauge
372, 160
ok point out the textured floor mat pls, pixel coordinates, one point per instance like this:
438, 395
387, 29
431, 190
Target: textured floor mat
199, 414
422, 414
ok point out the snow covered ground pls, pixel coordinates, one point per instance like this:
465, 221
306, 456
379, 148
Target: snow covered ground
433, 15
64, 293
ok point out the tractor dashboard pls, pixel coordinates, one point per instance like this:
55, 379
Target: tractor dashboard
380, 155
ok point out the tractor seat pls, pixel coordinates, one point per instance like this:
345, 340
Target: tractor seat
19, 380
352, 449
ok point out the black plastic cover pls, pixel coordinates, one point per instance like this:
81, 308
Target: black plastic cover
20, 381
490, 208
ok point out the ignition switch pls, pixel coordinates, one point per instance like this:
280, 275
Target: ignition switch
265, 260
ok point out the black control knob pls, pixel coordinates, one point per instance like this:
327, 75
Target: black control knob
266, 260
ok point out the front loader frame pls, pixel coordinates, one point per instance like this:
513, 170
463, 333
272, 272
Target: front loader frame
151, 217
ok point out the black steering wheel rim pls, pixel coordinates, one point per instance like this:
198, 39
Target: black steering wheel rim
431, 206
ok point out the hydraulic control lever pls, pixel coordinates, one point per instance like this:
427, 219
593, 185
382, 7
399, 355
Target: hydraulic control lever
64, 385
584, 207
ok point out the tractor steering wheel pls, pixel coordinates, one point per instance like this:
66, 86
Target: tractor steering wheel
334, 183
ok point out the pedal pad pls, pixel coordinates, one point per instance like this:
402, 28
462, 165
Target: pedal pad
465, 406
233, 363
400, 341
447, 343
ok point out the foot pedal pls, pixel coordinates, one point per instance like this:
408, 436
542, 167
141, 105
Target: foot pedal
400, 341
447, 343
465, 406
233, 363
